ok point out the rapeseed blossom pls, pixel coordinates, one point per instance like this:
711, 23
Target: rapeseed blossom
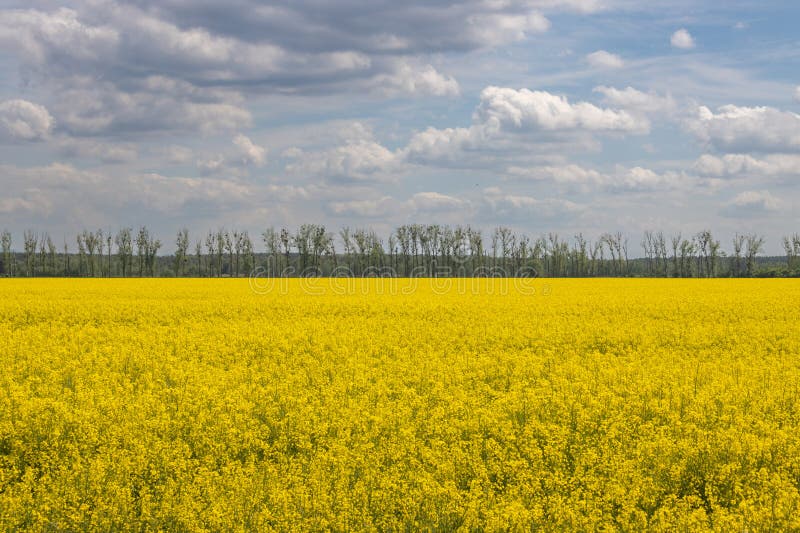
220, 405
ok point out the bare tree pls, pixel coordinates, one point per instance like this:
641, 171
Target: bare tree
181, 251
51, 252
272, 243
30, 239
791, 246
5, 242
124, 242
755, 245
142, 248
211, 249
738, 247
198, 252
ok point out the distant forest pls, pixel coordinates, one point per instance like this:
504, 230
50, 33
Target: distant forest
410, 251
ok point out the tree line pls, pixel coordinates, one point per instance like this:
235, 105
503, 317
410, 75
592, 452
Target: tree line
411, 250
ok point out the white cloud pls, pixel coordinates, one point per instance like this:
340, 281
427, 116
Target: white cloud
250, 153
356, 161
236, 161
797, 94
621, 179
416, 80
635, 100
441, 145
745, 165
510, 123
743, 129
501, 28
682, 39
603, 59
522, 109
434, 201
753, 202
24, 121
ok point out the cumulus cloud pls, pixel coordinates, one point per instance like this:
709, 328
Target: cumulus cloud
21, 120
745, 165
682, 39
743, 129
621, 179
362, 160
523, 109
434, 202
244, 154
752, 203
603, 59
250, 153
635, 100
416, 80
508, 121
502, 28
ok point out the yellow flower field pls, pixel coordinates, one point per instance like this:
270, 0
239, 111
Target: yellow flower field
222, 405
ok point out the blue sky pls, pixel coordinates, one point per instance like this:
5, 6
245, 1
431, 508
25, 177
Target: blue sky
544, 115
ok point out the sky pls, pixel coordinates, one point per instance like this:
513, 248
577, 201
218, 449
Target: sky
542, 115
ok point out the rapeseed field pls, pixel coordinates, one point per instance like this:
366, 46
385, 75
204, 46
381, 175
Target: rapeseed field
386, 405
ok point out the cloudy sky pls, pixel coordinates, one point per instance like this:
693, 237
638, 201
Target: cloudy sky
543, 115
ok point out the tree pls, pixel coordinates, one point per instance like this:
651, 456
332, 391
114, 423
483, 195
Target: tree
220, 250
211, 249
755, 245
66, 258
43, 253
142, 249
81, 252
227, 245
661, 251
153, 246
99, 242
247, 253
272, 244
676, 243
124, 242
648, 246
708, 250
5, 243
30, 239
791, 246
51, 252
91, 241
181, 251
108, 244
198, 252
738, 247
